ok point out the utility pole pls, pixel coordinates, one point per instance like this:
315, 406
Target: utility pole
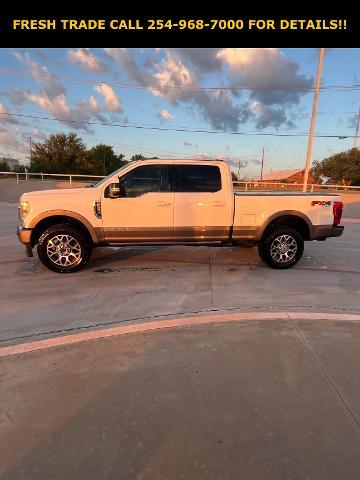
262, 164
238, 174
30, 146
313, 118
357, 129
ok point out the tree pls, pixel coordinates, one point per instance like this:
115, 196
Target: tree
138, 156
4, 167
102, 160
60, 153
343, 167
19, 168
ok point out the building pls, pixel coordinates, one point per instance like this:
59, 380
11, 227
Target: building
296, 175
12, 162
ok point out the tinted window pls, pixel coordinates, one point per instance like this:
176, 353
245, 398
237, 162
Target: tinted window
198, 178
145, 179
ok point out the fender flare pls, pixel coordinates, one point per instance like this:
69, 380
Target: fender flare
66, 213
284, 213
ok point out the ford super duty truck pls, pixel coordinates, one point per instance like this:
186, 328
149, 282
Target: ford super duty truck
153, 202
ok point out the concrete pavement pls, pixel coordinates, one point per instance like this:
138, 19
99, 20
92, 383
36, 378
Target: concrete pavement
237, 395
267, 399
127, 284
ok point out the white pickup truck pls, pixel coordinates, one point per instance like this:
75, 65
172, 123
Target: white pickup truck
172, 202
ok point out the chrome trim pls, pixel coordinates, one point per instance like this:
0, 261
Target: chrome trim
64, 250
283, 248
178, 234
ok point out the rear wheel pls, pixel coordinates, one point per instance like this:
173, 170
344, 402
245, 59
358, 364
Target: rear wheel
281, 248
63, 248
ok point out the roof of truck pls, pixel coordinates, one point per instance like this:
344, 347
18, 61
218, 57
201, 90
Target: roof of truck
182, 160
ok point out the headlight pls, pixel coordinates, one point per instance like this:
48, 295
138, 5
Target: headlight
24, 209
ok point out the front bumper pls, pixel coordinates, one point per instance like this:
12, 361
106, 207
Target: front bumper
321, 232
24, 235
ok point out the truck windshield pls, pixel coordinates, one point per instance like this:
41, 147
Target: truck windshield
103, 180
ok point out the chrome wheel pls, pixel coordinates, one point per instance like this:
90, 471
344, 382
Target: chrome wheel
64, 250
283, 249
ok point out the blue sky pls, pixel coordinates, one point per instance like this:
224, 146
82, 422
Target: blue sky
264, 91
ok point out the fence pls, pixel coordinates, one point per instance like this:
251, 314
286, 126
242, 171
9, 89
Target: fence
44, 176
238, 186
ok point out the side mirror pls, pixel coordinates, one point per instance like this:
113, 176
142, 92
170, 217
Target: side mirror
116, 190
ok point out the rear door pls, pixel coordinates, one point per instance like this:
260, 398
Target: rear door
201, 203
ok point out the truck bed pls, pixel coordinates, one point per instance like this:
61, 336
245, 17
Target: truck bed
255, 210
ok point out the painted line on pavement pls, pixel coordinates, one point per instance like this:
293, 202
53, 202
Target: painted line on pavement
165, 324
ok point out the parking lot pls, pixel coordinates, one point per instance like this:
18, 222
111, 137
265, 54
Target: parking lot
186, 402
131, 283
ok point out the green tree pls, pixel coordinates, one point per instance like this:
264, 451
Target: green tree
4, 167
138, 156
19, 168
343, 167
60, 153
102, 160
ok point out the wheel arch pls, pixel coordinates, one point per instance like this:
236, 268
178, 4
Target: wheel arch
52, 217
288, 218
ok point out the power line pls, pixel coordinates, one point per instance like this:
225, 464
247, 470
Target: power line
145, 85
141, 148
175, 129
201, 114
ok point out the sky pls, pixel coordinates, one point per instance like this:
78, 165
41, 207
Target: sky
158, 91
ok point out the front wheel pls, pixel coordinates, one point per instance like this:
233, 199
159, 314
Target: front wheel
63, 248
281, 248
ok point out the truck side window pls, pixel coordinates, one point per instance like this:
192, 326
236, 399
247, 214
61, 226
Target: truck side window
145, 179
198, 178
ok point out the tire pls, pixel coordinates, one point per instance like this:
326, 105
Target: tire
272, 248
63, 248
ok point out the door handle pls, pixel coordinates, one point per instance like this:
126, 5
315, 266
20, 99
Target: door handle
219, 204
164, 204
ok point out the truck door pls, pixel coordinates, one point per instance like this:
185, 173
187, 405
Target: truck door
145, 209
202, 210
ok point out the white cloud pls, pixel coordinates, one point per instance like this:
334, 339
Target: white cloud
274, 82
112, 101
48, 82
177, 84
269, 75
53, 99
6, 119
126, 60
39, 72
86, 59
166, 115
56, 105
174, 79
10, 145
74, 115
